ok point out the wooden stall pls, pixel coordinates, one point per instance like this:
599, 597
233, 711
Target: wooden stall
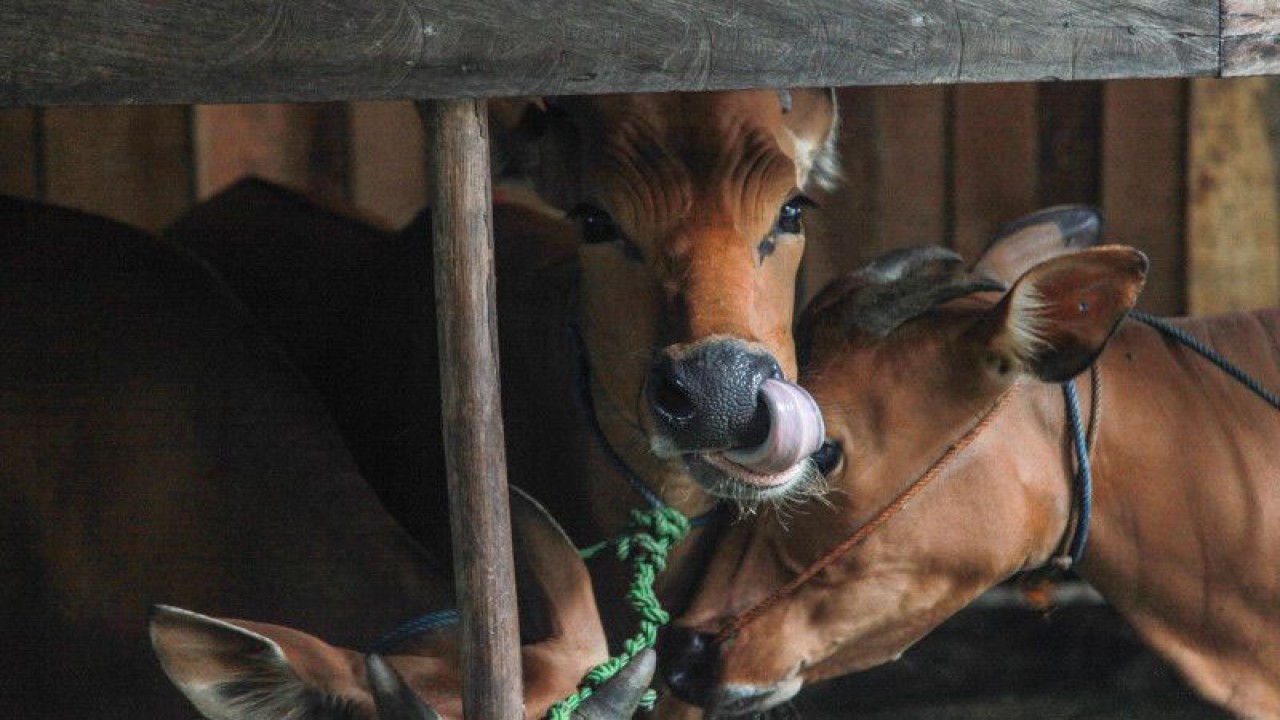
1183, 168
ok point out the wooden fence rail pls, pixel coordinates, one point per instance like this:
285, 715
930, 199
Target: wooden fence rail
55, 52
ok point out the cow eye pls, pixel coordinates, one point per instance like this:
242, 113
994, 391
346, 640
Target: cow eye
789, 216
596, 225
827, 457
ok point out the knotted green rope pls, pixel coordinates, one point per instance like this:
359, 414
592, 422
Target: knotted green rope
648, 538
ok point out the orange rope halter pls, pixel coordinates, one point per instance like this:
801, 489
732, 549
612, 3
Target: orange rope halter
862, 533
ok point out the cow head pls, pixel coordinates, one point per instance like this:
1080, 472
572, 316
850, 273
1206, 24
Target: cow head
689, 211
909, 356
246, 670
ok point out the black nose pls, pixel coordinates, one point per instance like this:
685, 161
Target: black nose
688, 660
707, 397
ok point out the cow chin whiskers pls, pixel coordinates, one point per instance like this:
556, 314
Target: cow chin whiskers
808, 485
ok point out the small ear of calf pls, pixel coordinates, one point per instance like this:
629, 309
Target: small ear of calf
231, 672
552, 582
1037, 237
811, 114
1060, 314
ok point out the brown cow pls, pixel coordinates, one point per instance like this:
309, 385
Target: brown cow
159, 448
348, 302
688, 207
911, 358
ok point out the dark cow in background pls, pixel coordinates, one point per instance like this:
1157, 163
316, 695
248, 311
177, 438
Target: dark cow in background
159, 448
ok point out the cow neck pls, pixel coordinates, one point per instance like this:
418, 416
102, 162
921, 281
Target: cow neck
583, 396
864, 531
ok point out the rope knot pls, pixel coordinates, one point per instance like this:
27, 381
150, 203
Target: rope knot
648, 538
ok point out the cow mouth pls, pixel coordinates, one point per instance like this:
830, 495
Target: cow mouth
718, 468
747, 700
780, 459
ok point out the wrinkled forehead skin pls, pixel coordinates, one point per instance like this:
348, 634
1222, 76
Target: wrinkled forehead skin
654, 159
696, 181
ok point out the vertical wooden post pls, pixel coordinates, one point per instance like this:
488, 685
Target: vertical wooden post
467, 321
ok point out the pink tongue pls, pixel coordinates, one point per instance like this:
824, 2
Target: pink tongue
796, 430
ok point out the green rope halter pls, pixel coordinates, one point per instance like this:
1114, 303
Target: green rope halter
648, 538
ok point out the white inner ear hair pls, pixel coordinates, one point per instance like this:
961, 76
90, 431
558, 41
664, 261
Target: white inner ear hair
1028, 322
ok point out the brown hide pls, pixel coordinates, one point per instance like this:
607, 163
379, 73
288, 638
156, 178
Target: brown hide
158, 448
679, 198
353, 309
1186, 505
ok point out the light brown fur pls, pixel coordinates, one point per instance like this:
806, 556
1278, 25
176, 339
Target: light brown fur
1187, 500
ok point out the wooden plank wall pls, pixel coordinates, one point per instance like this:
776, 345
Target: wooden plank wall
952, 164
1185, 170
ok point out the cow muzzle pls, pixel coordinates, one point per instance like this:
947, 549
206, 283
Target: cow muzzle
726, 408
690, 663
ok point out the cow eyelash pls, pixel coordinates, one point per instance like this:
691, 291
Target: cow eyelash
788, 222
791, 212
596, 225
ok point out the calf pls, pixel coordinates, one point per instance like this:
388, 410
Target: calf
159, 448
688, 210
354, 308
944, 392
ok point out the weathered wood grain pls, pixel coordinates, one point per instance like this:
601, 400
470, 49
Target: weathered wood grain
1144, 125
467, 326
1233, 231
20, 153
303, 147
995, 161
1250, 37
388, 177
131, 164
141, 51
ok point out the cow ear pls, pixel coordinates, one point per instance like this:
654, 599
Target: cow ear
1040, 236
515, 127
552, 582
231, 671
1060, 314
812, 116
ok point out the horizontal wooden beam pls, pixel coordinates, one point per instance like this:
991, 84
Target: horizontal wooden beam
56, 52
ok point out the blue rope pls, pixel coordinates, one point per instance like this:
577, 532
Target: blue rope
1208, 353
1083, 476
1079, 439
413, 628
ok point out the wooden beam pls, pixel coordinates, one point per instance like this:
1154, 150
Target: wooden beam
467, 326
1250, 37
1233, 232
217, 51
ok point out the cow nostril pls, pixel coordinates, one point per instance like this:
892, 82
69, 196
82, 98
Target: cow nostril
687, 659
670, 399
